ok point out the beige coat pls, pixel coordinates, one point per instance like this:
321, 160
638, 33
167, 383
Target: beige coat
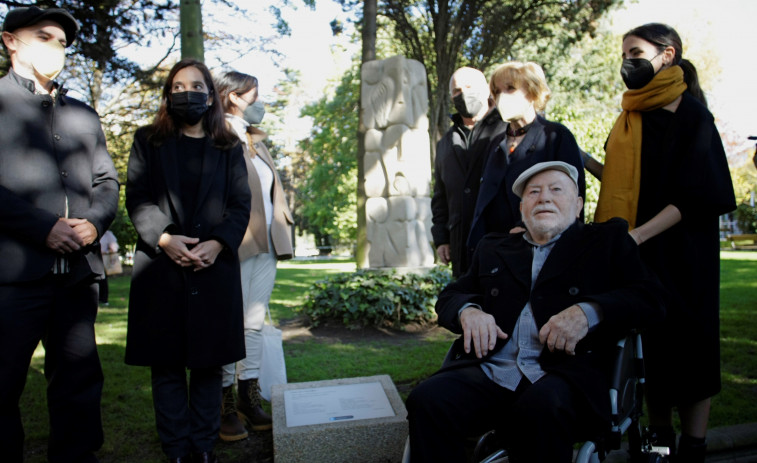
255, 240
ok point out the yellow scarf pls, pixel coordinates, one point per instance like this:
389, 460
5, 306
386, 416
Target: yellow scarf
621, 176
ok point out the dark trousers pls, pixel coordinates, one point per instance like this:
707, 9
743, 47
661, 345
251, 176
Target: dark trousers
103, 286
63, 318
188, 416
540, 421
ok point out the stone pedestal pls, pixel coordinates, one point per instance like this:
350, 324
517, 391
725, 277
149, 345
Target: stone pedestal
341, 438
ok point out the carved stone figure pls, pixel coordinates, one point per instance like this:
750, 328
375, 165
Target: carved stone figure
397, 164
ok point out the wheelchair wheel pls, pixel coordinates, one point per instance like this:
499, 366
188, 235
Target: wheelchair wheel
489, 449
656, 458
635, 443
642, 446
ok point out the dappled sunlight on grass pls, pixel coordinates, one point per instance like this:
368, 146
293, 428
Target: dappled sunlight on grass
39, 354
110, 327
740, 274
737, 402
738, 255
739, 379
319, 355
293, 280
112, 333
338, 266
740, 343
739, 278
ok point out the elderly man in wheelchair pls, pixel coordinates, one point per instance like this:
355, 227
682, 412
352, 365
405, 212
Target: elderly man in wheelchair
540, 313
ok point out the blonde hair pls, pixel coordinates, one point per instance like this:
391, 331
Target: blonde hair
526, 76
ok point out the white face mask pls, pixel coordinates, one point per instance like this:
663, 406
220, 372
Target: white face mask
513, 106
47, 58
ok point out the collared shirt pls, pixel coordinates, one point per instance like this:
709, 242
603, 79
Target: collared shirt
520, 356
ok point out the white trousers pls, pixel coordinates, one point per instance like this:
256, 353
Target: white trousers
258, 277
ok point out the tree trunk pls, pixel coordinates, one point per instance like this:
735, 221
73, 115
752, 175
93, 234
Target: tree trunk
369, 54
369, 30
191, 30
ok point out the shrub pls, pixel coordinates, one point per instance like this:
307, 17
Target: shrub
746, 218
376, 297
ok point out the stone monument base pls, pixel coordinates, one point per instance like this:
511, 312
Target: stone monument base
342, 438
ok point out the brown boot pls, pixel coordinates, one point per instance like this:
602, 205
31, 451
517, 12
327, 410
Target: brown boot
232, 428
249, 406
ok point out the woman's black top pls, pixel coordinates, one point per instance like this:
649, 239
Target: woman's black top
191, 155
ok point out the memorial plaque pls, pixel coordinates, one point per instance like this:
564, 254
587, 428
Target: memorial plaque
355, 420
347, 402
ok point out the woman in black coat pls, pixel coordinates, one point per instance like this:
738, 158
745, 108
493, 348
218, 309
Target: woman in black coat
666, 173
188, 198
520, 91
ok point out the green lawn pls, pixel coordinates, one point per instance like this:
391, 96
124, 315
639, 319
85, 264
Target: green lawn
127, 403
737, 403
403, 358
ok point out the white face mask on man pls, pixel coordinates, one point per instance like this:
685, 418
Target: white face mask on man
47, 58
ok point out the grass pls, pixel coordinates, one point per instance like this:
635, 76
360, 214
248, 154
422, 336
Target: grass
405, 360
737, 403
127, 402
294, 277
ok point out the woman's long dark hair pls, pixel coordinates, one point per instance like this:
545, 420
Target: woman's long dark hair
663, 36
166, 125
234, 82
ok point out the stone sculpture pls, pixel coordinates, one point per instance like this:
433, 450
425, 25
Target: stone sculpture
397, 164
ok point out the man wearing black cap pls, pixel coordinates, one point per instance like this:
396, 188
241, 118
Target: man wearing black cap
538, 312
58, 195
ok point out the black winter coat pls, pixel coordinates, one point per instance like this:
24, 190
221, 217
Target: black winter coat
178, 316
497, 208
589, 263
683, 163
52, 158
457, 158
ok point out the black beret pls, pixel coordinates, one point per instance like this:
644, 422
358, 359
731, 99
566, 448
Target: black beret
28, 16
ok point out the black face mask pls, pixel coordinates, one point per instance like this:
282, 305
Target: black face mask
467, 104
637, 72
188, 106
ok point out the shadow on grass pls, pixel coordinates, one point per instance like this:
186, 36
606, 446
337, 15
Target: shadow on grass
316, 354
128, 418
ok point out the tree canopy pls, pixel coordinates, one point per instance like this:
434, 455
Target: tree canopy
447, 34
100, 72
331, 182
585, 85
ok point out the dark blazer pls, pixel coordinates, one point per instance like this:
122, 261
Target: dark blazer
50, 152
496, 206
178, 316
589, 263
458, 156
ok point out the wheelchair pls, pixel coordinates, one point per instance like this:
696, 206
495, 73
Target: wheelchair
626, 400
626, 397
